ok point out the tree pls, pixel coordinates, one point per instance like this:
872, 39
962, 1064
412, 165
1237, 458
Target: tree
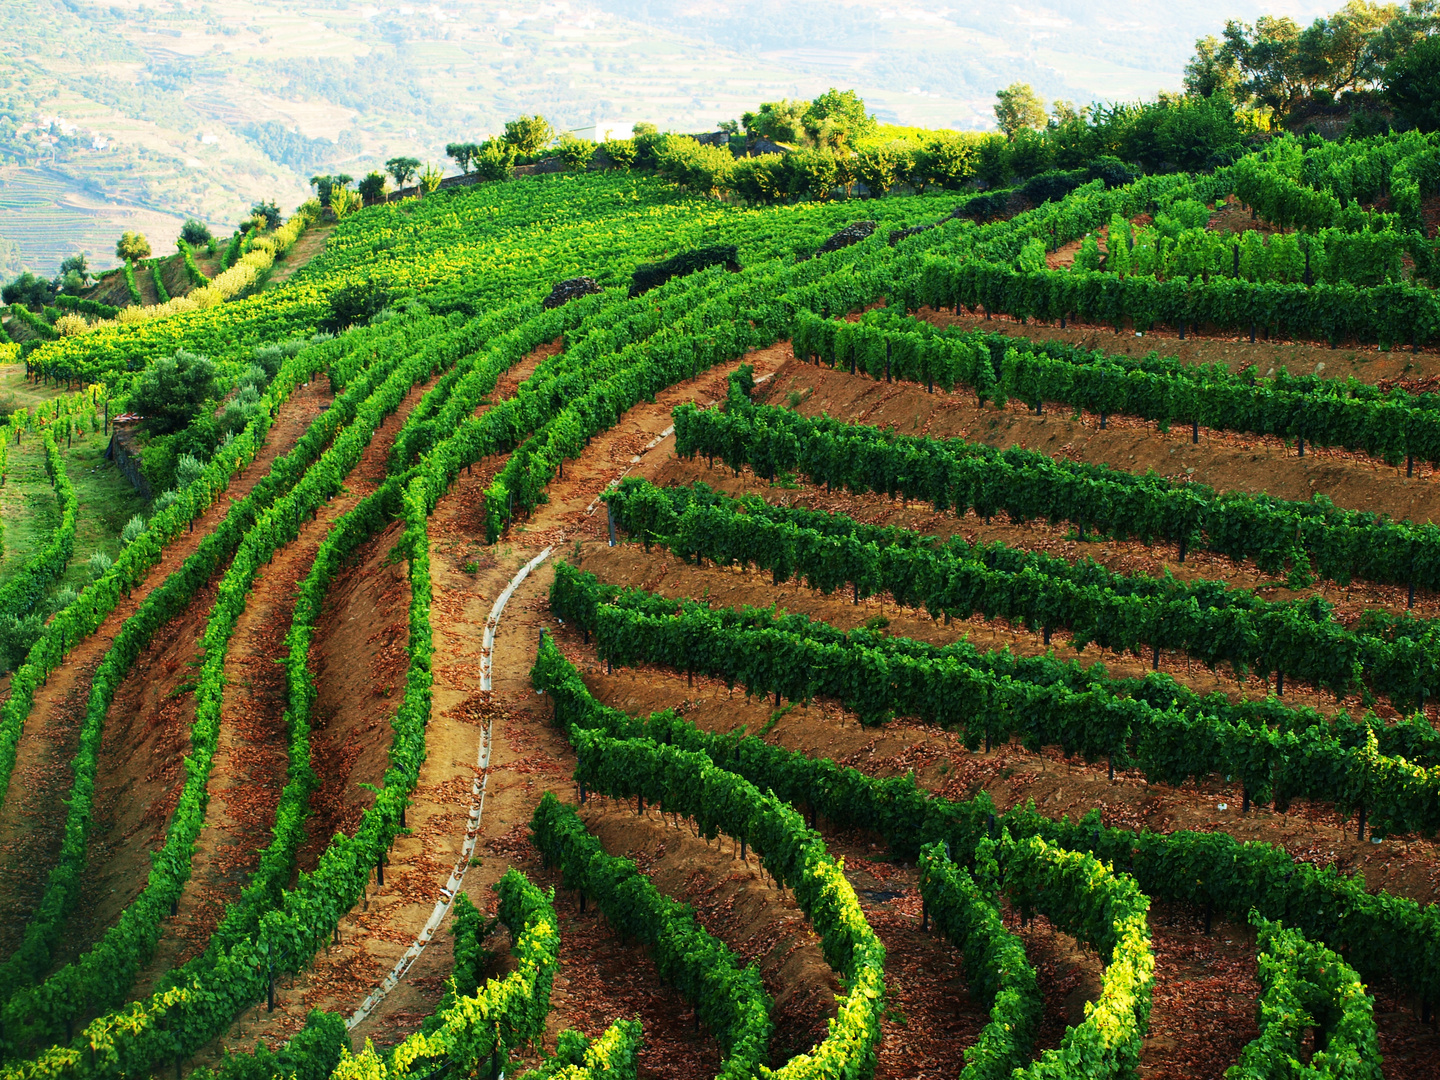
173, 391
1412, 84
195, 233
729, 127
1017, 107
28, 289
778, 121
402, 169
78, 263
132, 247
322, 185
529, 134
1341, 53
267, 214
463, 153
372, 187
837, 118
1212, 69
1063, 112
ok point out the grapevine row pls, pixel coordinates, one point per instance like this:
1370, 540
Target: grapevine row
955, 474
1169, 745
728, 997
829, 550
1383, 936
1393, 427
1210, 621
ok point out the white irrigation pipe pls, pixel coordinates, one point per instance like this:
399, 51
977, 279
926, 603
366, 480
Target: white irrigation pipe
472, 826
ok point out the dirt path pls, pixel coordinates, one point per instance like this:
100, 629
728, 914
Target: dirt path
311, 243
252, 752
32, 818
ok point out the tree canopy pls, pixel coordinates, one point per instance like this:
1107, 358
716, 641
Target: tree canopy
1018, 107
173, 390
529, 134
132, 246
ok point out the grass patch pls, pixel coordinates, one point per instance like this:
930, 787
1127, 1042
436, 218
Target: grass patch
31, 513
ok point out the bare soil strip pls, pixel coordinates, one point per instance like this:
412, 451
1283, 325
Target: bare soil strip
32, 818
252, 755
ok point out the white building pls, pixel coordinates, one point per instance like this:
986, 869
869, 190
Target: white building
605, 129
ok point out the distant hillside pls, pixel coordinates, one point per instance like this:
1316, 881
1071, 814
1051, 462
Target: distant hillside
201, 110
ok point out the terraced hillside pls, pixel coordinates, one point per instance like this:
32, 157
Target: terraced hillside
799, 650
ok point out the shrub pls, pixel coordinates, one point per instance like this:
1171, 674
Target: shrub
620, 152
495, 161
760, 179
355, 304
576, 154
188, 469
134, 529
343, 201
97, 564
703, 169
70, 324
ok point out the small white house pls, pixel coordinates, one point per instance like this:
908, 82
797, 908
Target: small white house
605, 129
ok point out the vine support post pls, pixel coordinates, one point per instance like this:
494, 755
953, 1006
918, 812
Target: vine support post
1279, 683
1110, 766
1409, 465
610, 520
1360, 825
1410, 602
1195, 431
1102, 420
1182, 329
1300, 442
887, 360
